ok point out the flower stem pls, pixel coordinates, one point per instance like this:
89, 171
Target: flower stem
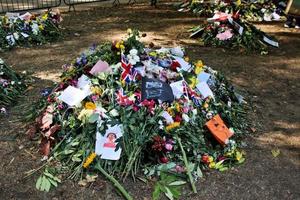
115, 182
192, 182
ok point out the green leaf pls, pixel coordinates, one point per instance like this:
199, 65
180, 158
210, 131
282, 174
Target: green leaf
46, 173
54, 183
176, 183
47, 185
169, 194
68, 151
156, 192
76, 159
199, 172
39, 183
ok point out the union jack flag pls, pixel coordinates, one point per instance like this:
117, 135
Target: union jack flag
129, 73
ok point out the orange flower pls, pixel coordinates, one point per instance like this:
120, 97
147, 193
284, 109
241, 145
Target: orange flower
90, 106
89, 160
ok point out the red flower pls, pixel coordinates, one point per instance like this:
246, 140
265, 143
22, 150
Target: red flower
164, 159
159, 143
178, 118
174, 65
205, 159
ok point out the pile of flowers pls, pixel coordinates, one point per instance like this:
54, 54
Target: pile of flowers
26, 29
229, 31
11, 86
262, 10
162, 102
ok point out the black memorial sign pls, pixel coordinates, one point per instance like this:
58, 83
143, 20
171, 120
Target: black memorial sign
157, 90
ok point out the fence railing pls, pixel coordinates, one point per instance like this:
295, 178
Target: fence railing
23, 5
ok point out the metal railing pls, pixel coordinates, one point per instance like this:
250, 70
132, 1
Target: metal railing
23, 5
72, 3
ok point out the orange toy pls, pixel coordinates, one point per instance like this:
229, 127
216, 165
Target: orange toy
219, 130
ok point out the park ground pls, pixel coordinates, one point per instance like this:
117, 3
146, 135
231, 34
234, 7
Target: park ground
271, 85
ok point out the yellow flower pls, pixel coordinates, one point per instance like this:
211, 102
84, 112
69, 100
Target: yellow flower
89, 160
238, 155
186, 58
153, 53
172, 126
212, 165
45, 16
120, 45
229, 153
193, 82
210, 159
90, 106
177, 106
96, 90
41, 27
198, 67
205, 105
171, 112
84, 114
129, 31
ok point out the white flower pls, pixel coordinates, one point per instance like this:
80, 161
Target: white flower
35, 28
133, 58
3, 110
16, 35
185, 117
114, 113
13, 82
84, 114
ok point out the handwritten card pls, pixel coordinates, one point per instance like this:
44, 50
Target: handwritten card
156, 89
26, 16
72, 96
106, 145
100, 66
236, 26
177, 88
203, 77
219, 130
204, 90
185, 66
270, 42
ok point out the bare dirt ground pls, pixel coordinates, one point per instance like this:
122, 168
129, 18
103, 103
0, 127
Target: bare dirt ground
271, 84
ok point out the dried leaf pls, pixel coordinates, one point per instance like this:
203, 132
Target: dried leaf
31, 131
47, 120
45, 146
52, 130
275, 152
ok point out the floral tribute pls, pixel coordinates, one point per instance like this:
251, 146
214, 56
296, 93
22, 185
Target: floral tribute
163, 102
11, 86
262, 10
229, 31
26, 29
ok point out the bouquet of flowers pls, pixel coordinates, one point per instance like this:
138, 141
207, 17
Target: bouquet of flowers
229, 31
11, 86
263, 10
122, 108
26, 29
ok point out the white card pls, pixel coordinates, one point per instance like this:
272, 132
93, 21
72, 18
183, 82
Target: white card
184, 65
83, 82
270, 42
177, 88
203, 77
204, 90
72, 96
25, 35
167, 117
106, 145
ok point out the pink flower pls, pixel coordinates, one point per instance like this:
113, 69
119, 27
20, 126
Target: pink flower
168, 147
60, 106
225, 35
135, 108
95, 98
179, 169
